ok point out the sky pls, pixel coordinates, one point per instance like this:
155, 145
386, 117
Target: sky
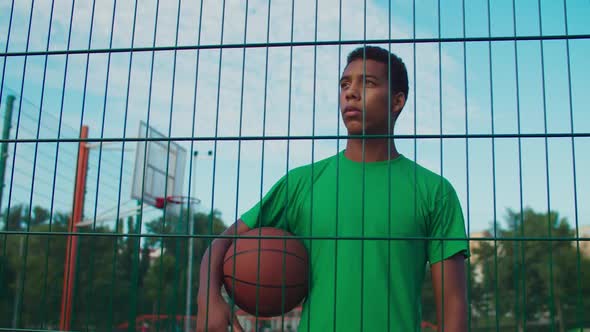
266, 91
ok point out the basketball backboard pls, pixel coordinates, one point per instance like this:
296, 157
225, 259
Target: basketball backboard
159, 167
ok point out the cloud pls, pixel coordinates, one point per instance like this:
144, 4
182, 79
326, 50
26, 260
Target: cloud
278, 97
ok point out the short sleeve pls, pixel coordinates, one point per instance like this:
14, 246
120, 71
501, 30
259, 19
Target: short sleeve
271, 210
447, 227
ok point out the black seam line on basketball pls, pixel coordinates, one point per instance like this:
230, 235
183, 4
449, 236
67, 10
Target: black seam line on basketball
264, 285
273, 250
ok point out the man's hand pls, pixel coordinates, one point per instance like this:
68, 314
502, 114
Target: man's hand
451, 304
214, 313
216, 317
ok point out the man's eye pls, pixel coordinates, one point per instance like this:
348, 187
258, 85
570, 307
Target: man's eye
369, 83
343, 85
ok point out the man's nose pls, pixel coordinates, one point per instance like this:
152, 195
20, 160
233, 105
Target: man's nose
353, 92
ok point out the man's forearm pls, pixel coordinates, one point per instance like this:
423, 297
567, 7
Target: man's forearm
211, 271
451, 304
455, 316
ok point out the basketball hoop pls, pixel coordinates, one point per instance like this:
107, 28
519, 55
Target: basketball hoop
161, 202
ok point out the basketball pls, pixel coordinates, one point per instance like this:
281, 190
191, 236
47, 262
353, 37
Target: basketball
266, 276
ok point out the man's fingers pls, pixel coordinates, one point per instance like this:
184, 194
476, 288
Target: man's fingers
236, 324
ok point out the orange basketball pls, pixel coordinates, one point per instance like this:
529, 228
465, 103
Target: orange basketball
266, 276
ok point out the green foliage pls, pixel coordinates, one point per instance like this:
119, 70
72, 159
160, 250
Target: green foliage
533, 274
169, 269
523, 280
21, 217
33, 280
110, 284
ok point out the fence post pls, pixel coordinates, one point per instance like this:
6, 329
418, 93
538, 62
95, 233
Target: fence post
72, 240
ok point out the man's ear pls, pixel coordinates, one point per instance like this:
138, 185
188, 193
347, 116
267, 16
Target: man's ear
398, 101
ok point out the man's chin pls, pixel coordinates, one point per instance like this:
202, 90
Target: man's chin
354, 127
359, 132
355, 131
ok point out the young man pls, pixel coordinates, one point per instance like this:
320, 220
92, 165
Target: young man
380, 218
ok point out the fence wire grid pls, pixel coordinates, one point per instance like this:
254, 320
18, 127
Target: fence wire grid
249, 90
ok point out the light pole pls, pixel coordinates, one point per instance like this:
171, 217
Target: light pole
191, 225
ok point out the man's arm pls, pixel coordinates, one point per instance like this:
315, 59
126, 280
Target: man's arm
211, 272
454, 304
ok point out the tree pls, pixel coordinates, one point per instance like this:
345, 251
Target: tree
39, 215
28, 266
102, 282
8, 278
20, 216
204, 226
14, 218
531, 274
34, 281
36, 262
165, 281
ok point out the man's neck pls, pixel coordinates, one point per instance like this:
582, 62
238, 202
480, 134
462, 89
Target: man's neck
374, 150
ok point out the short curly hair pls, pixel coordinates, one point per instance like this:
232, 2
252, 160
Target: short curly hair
397, 68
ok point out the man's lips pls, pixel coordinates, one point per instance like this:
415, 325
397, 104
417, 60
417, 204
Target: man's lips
352, 111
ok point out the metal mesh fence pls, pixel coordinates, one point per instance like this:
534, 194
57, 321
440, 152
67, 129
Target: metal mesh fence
497, 105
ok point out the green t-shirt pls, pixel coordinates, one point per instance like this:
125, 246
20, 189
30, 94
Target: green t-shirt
373, 222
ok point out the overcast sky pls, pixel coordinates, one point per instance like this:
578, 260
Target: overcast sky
271, 93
